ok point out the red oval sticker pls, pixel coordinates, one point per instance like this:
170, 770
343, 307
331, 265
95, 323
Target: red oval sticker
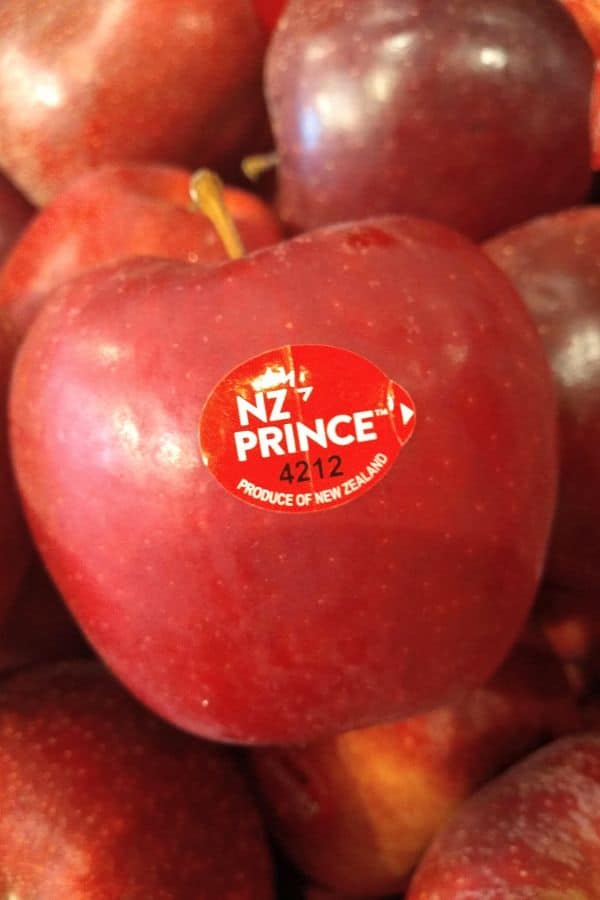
304, 428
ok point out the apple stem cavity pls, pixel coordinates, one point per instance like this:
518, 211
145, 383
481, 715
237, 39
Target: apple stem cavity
206, 193
255, 166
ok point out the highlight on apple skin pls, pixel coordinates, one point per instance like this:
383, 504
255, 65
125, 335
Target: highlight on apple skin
475, 113
100, 799
232, 601
357, 811
532, 833
113, 213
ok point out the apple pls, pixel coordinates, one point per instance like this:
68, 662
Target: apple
269, 12
553, 263
587, 14
115, 212
100, 799
356, 811
259, 593
15, 212
473, 113
38, 627
532, 833
82, 84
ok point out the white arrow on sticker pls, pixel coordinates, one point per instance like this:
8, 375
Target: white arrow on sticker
407, 413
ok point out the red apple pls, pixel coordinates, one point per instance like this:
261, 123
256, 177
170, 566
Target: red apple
473, 113
82, 84
406, 581
587, 14
38, 627
357, 811
532, 833
115, 212
553, 263
15, 212
99, 799
269, 12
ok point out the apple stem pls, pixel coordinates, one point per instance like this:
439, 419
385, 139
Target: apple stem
255, 166
206, 192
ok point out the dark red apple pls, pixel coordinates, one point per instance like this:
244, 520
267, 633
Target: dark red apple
38, 626
553, 263
474, 113
357, 811
116, 212
532, 833
100, 799
231, 610
86, 83
15, 212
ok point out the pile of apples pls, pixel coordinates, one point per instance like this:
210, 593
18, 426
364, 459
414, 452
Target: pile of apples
299, 477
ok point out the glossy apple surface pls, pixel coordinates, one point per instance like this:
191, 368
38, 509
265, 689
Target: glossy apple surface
100, 799
242, 623
87, 83
473, 113
15, 212
532, 833
116, 212
357, 811
553, 263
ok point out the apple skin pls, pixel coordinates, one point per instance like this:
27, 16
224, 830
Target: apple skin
115, 212
378, 609
101, 799
531, 834
356, 811
38, 627
553, 263
587, 14
84, 84
15, 212
472, 113
269, 11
